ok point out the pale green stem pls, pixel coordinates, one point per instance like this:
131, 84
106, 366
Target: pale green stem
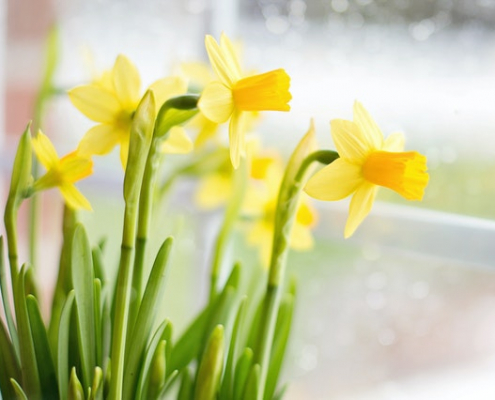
10, 219
122, 300
286, 212
143, 227
231, 214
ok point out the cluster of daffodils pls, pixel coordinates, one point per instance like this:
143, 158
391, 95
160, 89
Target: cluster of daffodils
104, 340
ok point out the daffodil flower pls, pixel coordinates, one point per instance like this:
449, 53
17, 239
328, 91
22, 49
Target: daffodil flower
367, 161
62, 172
215, 189
233, 94
111, 100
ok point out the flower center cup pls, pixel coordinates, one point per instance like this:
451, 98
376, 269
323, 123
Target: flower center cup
263, 92
404, 172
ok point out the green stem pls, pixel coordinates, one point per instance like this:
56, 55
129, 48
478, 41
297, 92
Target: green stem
11, 232
122, 300
140, 140
10, 219
286, 211
233, 209
143, 227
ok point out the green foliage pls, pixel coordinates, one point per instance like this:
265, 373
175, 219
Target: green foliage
104, 338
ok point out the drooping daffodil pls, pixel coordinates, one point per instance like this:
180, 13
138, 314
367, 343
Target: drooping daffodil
367, 161
62, 172
112, 99
234, 94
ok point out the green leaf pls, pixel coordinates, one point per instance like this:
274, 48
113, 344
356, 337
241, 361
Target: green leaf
98, 264
226, 304
76, 391
147, 360
227, 389
64, 281
242, 372
153, 295
158, 372
9, 367
253, 383
282, 332
186, 385
30, 375
83, 282
6, 305
63, 346
98, 322
191, 343
168, 384
175, 111
97, 386
211, 366
46, 368
19, 393
21, 180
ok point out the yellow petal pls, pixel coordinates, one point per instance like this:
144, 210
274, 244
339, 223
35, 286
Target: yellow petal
263, 92
261, 236
301, 238
236, 138
221, 62
100, 139
124, 150
45, 152
216, 102
96, 103
73, 167
349, 140
306, 214
370, 130
198, 73
208, 130
165, 88
177, 142
394, 142
360, 206
74, 197
126, 82
230, 55
256, 201
335, 181
213, 191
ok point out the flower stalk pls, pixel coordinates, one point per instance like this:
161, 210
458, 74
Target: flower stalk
140, 141
290, 190
173, 112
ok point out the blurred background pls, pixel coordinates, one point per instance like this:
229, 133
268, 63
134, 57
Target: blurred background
403, 310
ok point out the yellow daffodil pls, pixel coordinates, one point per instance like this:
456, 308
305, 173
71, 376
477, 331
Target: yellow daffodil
233, 94
261, 203
367, 161
111, 100
62, 172
199, 75
215, 189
